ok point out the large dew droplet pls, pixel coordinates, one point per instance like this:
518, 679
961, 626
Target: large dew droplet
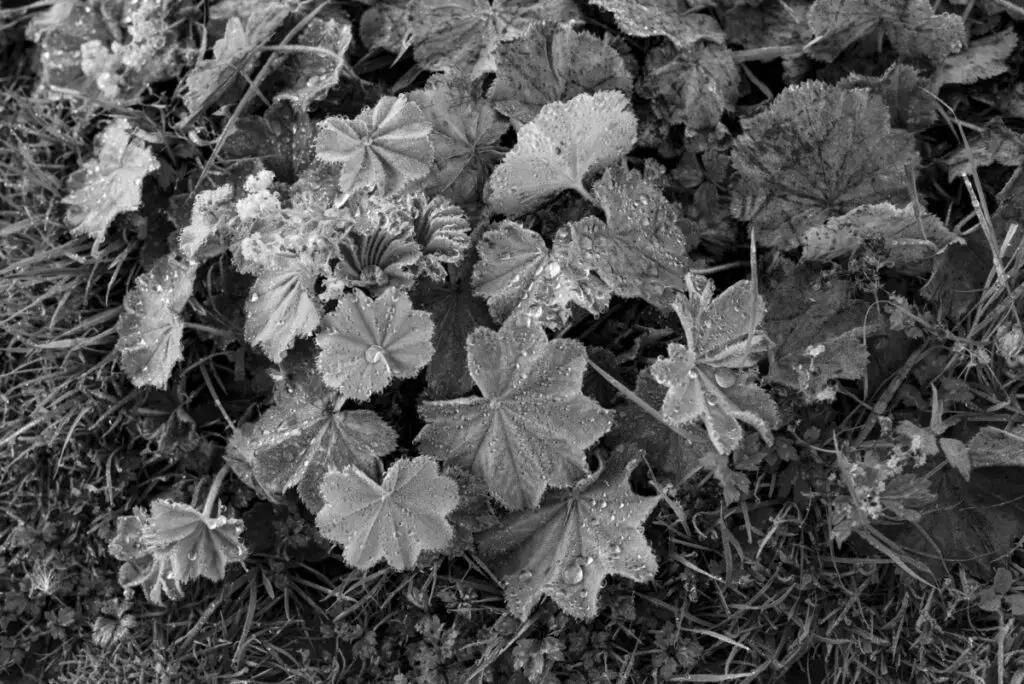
573, 574
374, 354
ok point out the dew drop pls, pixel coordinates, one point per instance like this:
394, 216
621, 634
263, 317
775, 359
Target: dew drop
254, 298
692, 374
725, 377
573, 574
374, 354
615, 549
525, 576
192, 555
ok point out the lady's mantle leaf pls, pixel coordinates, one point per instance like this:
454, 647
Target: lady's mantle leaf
311, 76
693, 86
386, 147
442, 231
518, 275
381, 249
820, 151
530, 428
677, 20
367, 342
150, 327
305, 434
641, 249
985, 58
462, 35
708, 378
281, 306
212, 211
553, 63
563, 143
907, 238
196, 545
110, 183
141, 566
996, 447
566, 548
394, 520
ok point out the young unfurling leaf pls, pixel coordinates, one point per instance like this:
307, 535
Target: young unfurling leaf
386, 147
708, 378
555, 151
282, 306
150, 327
443, 233
530, 427
396, 520
367, 342
110, 183
566, 548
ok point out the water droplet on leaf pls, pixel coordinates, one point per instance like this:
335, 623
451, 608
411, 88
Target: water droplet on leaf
573, 574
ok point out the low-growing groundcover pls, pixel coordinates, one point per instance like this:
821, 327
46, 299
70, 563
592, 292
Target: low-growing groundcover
511, 341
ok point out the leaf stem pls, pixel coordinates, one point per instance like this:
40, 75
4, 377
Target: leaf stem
211, 496
632, 396
718, 269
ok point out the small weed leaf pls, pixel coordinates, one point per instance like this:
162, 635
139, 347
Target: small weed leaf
110, 183
282, 307
566, 548
395, 520
386, 147
709, 379
817, 152
305, 434
640, 250
555, 151
915, 31
367, 342
212, 211
530, 427
196, 544
674, 19
996, 447
150, 327
142, 567
463, 35
310, 76
553, 63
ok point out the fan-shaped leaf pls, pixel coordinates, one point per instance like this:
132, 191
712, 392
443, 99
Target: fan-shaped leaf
142, 566
110, 183
386, 147
150, 327
566, 548
395, 520
442, 231
367, 342
556, 150
197, 545
530, 428
281, 307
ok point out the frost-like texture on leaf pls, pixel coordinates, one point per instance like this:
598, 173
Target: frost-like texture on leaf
985, 58
282, 306
462, 35
110, 183
150, 327
142, 566
555, 151
566, 548
817, 152
386, 147
530, 428
367, 342
996, 447
554, 63
519, 276
313, 75
442, 231
305, 434
693, 86
395, 520
381, 251
906, 94
466, 135
197, 545
914, 30
676, 20
904, 237
640, 249
710, 378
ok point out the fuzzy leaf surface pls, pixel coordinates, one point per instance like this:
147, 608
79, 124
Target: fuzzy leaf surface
196, 545
559, 147
676, 20
282, 306
530, 428
691, 86
566, 548
150, 326
817, 152
367, 342
141, 566
985, 58
709, 378
395, 520
110, 183
386, 147
553, 63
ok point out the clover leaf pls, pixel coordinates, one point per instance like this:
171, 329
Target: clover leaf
281, 306
395, 520
530, 427
709, 377
110, 183
566, 548
367, 342
150, 326
559, 147
386, 147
